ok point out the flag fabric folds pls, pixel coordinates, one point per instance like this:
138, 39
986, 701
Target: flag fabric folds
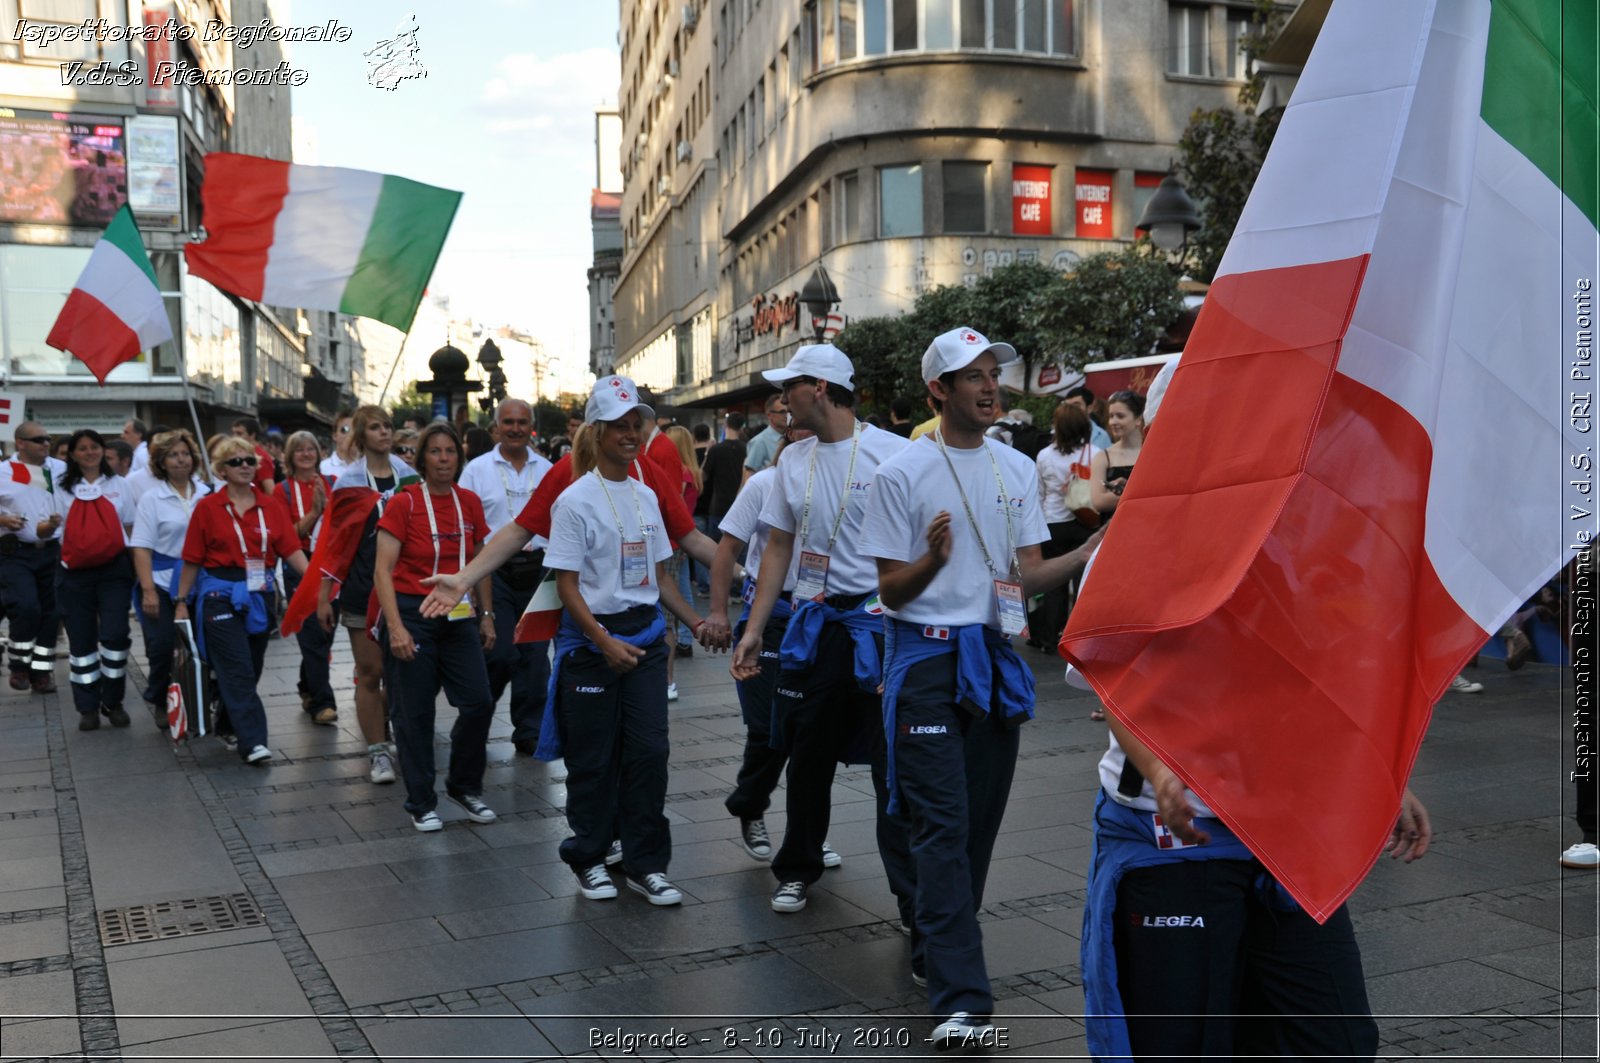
114, 311
342, 528
320, 237
542, 617
1357, 473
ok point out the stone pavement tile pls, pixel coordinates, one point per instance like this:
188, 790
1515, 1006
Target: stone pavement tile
441, 968
1068, 919
317, 913
221, 939
645, 932
32, 846
1037, 840
23, 744
755, 881
32, 940
1012, 946
386, 812
863, 969
460, 863
222, 989
28, 800
482, 1033
364, 877
381, 937
1567, 905
10, 766
38, 995
29, 827
19, 779
1072, 788
381, 851
41, 1037
1028, 1022
485, 922
1075, 862
1390, 883
766, 986
110, 754
1454, 988
1017, 877
1392, 942
26, 900
301, 826
30, 873
1067, 1048
869, 894
274, 1042
124, 817
1067, 1001
691, 780
718, 857
1566, 965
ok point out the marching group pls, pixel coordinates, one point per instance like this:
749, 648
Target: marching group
886, 582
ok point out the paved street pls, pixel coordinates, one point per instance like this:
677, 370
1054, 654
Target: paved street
334, 930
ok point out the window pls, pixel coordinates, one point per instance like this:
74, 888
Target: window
1187, 51
1144, 190
1064, 28
965, 197
851, 30
847, 208
1238, 33
900, 200
1003, 24
1033, 19
847, 28
905, 25
830, 46
758, 113
974, 24
938, 24
875, 29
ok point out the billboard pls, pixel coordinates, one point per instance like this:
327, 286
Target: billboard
1092, 197
155, 172
1030, 200
61, 169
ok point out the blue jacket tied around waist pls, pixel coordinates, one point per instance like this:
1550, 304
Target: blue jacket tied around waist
570, 637
251, 604
799, 648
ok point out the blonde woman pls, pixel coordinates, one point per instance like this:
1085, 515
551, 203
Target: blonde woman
160, 522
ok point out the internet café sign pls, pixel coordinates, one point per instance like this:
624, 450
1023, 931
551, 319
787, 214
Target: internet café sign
769, 316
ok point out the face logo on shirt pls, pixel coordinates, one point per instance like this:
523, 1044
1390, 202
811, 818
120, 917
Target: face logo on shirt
1001, 503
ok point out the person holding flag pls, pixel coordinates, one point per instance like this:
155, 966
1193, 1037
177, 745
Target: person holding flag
305, 493
30, 527
954, 523
161, 520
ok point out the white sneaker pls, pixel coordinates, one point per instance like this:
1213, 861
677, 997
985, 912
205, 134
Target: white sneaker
829, 857
558, 770
428, 822
1584, 854
1462, 685
257, 755
614, 853
672, 692
595, 884
382, 768
656, 889
961, 1030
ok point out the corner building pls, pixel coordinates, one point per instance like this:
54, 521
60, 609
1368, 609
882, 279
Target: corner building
899, 144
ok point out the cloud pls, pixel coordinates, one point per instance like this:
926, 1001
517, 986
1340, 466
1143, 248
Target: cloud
553, 96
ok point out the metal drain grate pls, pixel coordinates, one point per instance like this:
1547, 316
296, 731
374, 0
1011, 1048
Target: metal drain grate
174, 919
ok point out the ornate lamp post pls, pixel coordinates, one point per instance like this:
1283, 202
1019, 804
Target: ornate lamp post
819, 297
1169, 218
449, 386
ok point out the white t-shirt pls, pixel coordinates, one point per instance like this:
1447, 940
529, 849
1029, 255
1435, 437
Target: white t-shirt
140, 483
743, 521
1056, 471
141, 457
161, 518
503, 489
913, 487
333, 465
584, 539
112, 488
850, 571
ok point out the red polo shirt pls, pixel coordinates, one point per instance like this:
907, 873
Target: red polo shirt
405, 519
300, 496
215, 531
535, 516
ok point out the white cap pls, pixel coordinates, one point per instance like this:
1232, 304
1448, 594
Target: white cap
612, 397
820, 361
959, 348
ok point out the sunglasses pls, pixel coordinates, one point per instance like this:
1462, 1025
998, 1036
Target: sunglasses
239, 463
344, 430
406, 450
41, 440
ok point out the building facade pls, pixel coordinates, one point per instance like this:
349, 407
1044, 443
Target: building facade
116, 131
899, 144
605, 221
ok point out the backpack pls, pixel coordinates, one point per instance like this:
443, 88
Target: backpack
93, 533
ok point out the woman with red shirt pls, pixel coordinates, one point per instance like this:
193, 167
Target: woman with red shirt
234, 540
430, 529
305, 492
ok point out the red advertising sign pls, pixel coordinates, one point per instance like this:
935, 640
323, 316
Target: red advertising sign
1030, 200
160, 90
1092, 196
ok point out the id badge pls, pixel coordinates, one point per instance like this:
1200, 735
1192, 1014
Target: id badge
463, 610
1165, 839
635, 564
811, 585
255, 574
1008, 598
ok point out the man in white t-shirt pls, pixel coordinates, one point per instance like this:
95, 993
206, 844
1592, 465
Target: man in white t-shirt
504, 479
826, 707
954, 525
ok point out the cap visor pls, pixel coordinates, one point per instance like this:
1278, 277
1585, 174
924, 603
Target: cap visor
1003, 352
779, 376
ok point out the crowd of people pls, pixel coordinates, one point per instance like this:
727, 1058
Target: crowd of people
884, 577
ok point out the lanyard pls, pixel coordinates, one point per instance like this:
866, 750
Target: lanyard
1005, 500
622, 533
299, 499
433, 529
505, 482
238, 529
188, 500
844, 497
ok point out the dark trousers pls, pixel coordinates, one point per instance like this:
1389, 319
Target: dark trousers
449, 655
316, 648
762, 766
96, 617
821, 715
1259, 979
236, 659
954, 778
28, 592
159, 640
524, 667
614, 739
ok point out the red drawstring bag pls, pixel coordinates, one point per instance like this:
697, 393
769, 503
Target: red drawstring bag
93, 533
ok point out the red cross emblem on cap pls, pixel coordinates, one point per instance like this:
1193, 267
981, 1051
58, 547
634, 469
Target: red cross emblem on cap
615, 382
970, 337
623, 395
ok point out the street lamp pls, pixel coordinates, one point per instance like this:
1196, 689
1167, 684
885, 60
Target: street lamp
449, 385
1170, 216
490, 359
819, 297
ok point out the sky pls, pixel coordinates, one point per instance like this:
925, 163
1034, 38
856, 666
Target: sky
505, 115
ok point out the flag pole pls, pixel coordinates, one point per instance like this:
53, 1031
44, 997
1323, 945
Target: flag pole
188, 397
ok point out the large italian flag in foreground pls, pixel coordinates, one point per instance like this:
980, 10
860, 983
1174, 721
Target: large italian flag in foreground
1358, 472
320, 237
114, 311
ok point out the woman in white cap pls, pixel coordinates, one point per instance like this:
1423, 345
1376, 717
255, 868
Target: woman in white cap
608, 715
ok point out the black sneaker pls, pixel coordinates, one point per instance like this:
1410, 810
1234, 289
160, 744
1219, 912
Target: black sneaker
595, 883
753, 836
961, 1030
474, 807
656, 888
116, 714
790, 897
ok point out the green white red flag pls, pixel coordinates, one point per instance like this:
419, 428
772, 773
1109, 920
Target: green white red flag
541, 619
114, 311
1358, 471
320, 237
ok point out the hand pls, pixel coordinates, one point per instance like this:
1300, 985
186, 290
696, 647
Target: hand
401, 643
1412, 831
47, 527
1116, 486
747, 657
12, 522
1175, 810
444, 594
714, 632
486, 632
620, 657
325, 615
180, 611
1082, 554
939, 540
150, 604
319, 495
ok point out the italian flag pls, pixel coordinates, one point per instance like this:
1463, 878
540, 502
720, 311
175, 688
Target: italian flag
320, 237
114, 310
541, 620
1361, 468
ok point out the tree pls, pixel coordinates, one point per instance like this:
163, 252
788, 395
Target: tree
1114, 305
411, 402
1008, 303
1221, 151
881, 350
